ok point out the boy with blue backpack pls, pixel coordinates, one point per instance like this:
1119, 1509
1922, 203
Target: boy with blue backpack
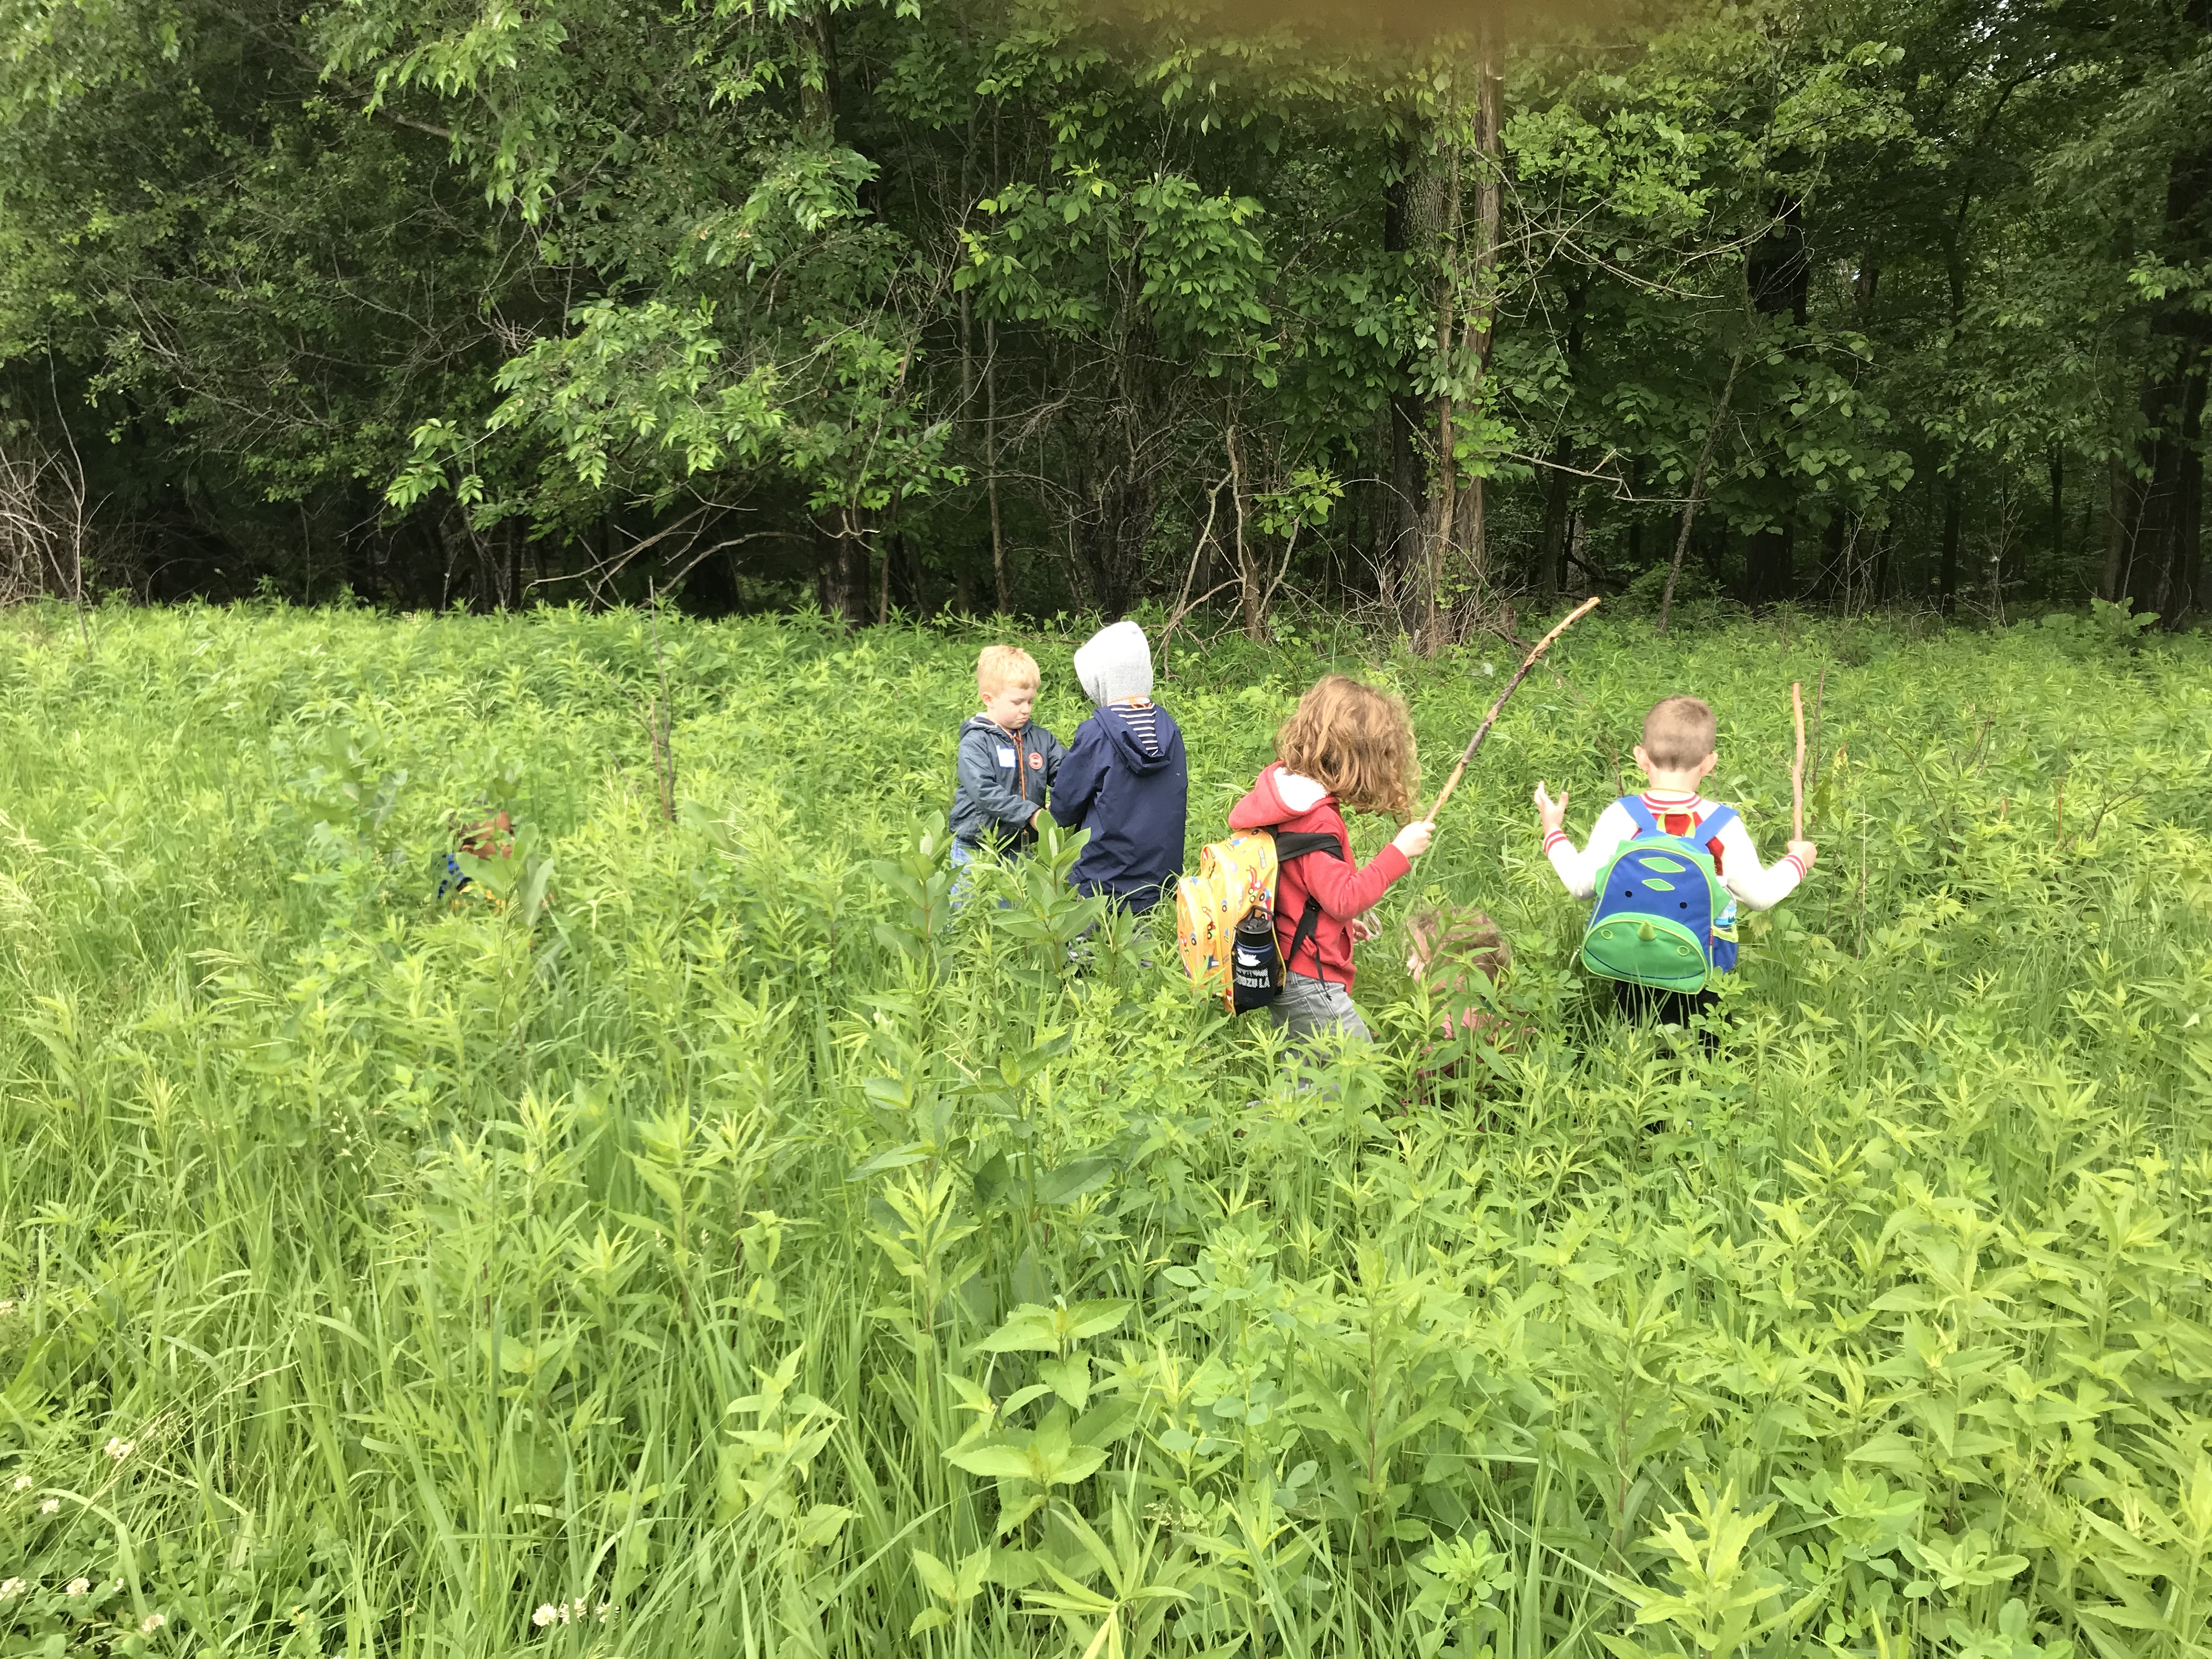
1667, 868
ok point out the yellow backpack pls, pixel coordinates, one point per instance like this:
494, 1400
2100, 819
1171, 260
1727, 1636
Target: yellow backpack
1225, 916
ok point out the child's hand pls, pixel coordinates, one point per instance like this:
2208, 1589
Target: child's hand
1806, 852
1413, 839
1364, 926
1551, 814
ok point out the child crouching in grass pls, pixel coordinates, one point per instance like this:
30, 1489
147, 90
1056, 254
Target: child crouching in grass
1347, 745
1006, 761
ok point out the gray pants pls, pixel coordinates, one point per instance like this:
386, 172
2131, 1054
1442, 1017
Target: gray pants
1307, 1007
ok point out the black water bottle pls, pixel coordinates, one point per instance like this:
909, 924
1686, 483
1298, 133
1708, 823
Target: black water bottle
1255, 964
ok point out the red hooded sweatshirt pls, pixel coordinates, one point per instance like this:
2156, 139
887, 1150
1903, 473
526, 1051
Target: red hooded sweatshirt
1282, 801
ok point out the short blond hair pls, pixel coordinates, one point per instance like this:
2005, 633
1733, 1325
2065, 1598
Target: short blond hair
1680, 731
1002, 665
1356, 743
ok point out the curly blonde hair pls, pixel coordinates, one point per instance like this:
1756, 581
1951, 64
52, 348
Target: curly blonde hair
1355, 741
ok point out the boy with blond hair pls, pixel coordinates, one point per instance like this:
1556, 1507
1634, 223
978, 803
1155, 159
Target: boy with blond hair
1680, 750
1007, 762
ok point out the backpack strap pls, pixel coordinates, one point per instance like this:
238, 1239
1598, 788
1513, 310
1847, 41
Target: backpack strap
1304, 935
1639, 815
1297, 844
1717, 821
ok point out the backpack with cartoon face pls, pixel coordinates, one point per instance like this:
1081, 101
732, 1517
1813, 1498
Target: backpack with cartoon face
1662, 918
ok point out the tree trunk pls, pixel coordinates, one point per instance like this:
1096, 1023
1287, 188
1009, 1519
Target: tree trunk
2057, 507
2119, 529
1002, 577
2168, 528
1411, 210
842, 570
1445, 520
1697, 487
1947, 581
1770, 566
1478, 327
1250, 579
1110, 540
1552, 544
1777, 276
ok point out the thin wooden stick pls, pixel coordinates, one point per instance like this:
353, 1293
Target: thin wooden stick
1797, 766
1489, 719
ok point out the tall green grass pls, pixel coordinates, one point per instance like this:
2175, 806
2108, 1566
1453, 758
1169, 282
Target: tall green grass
749, 1255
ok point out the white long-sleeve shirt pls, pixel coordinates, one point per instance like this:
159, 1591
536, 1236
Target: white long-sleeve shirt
1761, 887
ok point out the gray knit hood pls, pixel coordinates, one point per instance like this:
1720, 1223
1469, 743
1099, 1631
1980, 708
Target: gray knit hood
1115, 663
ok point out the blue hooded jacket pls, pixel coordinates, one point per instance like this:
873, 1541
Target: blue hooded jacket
1125, 780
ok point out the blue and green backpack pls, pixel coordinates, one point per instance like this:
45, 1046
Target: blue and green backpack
1662, 919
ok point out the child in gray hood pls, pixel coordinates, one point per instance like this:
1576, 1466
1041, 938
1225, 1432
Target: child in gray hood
1125, 779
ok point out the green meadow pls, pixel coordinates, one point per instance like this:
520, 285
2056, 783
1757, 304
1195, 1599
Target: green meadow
700, 1240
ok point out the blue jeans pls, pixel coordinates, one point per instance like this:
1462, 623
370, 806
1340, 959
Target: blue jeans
964, 854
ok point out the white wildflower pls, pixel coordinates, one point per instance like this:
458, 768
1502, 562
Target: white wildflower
119, 1449
51, 1506
11, 1588
606, 1611
6, 1308
152, 1622
22, 1483
544, 1616
76, 1587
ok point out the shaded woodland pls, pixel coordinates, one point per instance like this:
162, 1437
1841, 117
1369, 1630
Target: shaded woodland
915, 307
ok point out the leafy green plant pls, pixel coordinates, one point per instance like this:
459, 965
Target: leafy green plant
736, 1244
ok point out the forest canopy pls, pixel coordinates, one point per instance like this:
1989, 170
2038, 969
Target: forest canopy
911, 305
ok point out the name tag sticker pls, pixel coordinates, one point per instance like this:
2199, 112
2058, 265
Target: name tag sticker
1005, 755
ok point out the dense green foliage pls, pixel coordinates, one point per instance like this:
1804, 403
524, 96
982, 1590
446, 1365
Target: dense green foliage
936, 303
746, 1255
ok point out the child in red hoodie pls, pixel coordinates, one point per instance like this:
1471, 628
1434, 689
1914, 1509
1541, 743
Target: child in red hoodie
1347, 745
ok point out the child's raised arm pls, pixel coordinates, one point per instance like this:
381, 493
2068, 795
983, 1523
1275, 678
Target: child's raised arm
1761, 886
1551, 814
1578, 872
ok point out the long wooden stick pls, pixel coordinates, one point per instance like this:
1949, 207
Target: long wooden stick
1797, 766
1489, 719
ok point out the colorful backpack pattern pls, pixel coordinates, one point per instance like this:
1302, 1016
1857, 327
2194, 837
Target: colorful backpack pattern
1234, 893
1662, 919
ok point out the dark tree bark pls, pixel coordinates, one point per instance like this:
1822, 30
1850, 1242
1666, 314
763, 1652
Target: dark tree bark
1111, 535
1552, 545
2169, 518
1947, 579
1770, 566
1400, 530
840, 571
1779, 275
2057, 507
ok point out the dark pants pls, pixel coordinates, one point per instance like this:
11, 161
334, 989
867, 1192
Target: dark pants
1644, 1005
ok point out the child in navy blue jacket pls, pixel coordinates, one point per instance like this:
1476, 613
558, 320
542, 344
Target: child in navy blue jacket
1125, 778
